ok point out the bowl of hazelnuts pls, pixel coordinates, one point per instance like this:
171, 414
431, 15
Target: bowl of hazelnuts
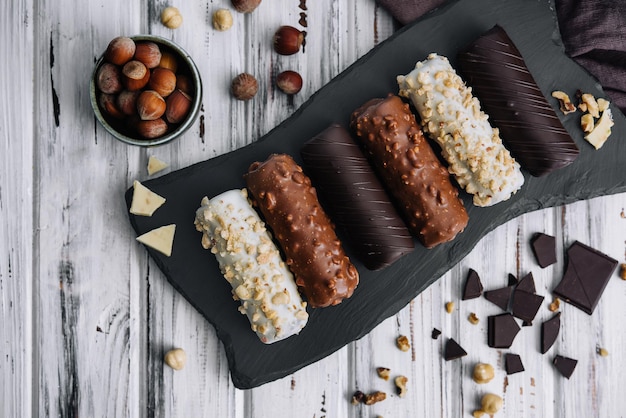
145, 90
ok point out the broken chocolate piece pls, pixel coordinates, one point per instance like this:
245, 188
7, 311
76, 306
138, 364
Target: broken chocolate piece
525, 305
508, 93
501, 330
527, 284
500, 297
565, 365
453, 350
544, 248
586, 276
473, 286
435, 334
512, 280
513, 363
549, 331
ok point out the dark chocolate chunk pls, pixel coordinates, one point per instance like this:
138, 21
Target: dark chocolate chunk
529, 126
527, 284
513, 363
473, 286
435, 334
525, 305
501, 297
512, 280
501, 330
355, 199
544, 248
586, 276
565, 365
527, 324
549, 331
453, 350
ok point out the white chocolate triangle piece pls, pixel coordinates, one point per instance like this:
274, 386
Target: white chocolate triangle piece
161, 239
155, 165
145, 201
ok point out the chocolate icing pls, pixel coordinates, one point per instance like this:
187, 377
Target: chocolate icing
355, 198
410, 170
290, 206
508, 93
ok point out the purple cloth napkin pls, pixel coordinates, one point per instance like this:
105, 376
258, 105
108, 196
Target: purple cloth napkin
593, 32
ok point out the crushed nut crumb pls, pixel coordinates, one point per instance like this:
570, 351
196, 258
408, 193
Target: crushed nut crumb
383, 372
375, 397
473, 318
401, 382
403, 343
554, 306
565, 103
603, 352
622, 271
449, 307
357, 398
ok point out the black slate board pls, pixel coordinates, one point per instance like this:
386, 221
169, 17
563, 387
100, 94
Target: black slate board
194, 272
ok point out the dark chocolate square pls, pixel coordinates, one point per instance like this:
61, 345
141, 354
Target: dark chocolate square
501, 330
500, 297
473, 286
565, 365
544, 248
527, 284
513, 363
525, 305
586, 276
453, 350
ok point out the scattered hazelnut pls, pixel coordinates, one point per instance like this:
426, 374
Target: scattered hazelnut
169, 61
290, 82
222, 20
163, 81
177, 106
473, 318
245, 6
554, 306
171, 17
603, 352
127, 102
176, 358
151, 128
586, 122
403, 343
622, 271
383, 372
148, 53
357, 398
490, 404
135, 75
288, 40
244, 86
150, 105
375, 397
120, 50
592, 104
109, 79
401, 382
108, 105
483, 373
449, 307
565, 103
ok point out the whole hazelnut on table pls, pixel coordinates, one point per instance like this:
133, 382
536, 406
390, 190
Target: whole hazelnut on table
163, 81
150, 105
148, 53
120, 50
176, 358
490, 404
222, 20
244, 86
287, 40
245, 6
171, 17
290, 82
483, 373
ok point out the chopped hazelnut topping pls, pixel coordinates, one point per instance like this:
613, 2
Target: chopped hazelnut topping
401, 382
473, 318
375, 397
554, 306
383, 372
603, 352
357, 398
403, 343
565, 103
622, 271
449, 307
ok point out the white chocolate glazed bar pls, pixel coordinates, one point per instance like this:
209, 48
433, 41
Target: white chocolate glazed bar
452, 116
251, 263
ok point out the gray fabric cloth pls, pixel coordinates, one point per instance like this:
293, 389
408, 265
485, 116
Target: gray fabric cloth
593, 32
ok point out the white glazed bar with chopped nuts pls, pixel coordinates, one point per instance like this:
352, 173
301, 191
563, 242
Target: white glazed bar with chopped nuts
452, 116
251, 263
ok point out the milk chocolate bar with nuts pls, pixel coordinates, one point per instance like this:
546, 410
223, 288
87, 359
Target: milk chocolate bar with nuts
410, 169
289, 204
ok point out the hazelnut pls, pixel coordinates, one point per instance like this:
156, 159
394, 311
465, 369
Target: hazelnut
120, 50
107, 104
603, 352
565, 103
586, 122
151, 128
135, 75
149, 53
287, 40
403, 343
375, 397
171, 17
222, 20
490, 404
383, 372
554, 306
449, 307
150, 105
169, 61
483, 373
163, 81
183, 83
244, 86
622, 271
127, 102
357, 398
401, 382
473, 318
176, 358
177, 106
245, 6
592, 104
290, 82
109, 79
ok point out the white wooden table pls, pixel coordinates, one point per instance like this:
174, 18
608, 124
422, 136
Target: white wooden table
86, 317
